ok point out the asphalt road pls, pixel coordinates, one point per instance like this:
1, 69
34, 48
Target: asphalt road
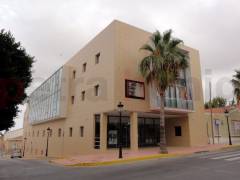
205, 166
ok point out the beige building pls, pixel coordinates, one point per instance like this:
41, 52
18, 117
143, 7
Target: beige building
218, 127
13, 141
79, 101
1, 145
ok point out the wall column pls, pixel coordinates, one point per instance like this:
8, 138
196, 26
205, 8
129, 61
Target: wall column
134, 131
103, 132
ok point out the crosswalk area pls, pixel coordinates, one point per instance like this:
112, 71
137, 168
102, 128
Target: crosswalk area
224, 155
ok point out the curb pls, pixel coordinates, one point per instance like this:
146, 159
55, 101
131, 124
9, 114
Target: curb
121, 161
142, 158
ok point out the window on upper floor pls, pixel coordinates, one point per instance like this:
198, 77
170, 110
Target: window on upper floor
59, 132
72, 99
70, 132
84, 67
81, 131
96, 90
97, 58
74, 74
43, 133
83, 95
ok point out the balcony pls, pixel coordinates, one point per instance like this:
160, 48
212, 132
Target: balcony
176, 103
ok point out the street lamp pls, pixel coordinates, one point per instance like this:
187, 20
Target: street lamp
48, 132
25, 139
229, 135
120, 109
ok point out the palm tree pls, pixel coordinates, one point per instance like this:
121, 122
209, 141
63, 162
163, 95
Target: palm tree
161, 69
236, 85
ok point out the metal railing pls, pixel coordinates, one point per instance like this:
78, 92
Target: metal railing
176, 103
97, 143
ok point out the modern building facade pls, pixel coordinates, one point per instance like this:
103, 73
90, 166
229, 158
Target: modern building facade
217, 126
78, 103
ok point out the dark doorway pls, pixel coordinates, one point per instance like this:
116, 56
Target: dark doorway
148, 132
113, 131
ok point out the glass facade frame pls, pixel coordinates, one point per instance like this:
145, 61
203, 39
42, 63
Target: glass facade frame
44, 102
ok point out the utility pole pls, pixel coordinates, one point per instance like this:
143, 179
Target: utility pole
210, 102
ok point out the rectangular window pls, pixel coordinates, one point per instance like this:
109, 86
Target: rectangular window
74, 74
178, 131
235, 128
37, 133
96, 90
43, 133
50, 133
97, 131
72, 99
70, 131
84, 67
97, 58
59, 132
81, 131
83, 95
217, 124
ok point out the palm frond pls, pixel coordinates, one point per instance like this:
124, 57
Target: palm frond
156, 38
167, 36
147, 47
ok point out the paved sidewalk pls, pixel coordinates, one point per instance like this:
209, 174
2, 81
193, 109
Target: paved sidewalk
143, 153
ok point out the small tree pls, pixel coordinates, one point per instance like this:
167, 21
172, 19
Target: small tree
161, 69
216, 102
15, 77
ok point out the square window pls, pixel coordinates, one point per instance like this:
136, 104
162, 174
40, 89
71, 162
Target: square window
84, 67
178, 131
81, 131
97, 58
83, 95
96, 90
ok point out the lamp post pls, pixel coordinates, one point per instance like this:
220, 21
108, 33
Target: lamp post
25, 139
48, 132
120, 109
229, 134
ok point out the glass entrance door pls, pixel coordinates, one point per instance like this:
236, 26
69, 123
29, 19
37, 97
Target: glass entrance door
148, 132
113, 131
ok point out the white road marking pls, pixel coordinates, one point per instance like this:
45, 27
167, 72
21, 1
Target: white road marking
233, 159
212, 155
227, 156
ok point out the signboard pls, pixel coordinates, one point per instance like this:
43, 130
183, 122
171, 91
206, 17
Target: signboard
112, 137
217, 122
134, 89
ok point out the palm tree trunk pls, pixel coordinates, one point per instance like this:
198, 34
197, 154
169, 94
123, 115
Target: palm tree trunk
163, 144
